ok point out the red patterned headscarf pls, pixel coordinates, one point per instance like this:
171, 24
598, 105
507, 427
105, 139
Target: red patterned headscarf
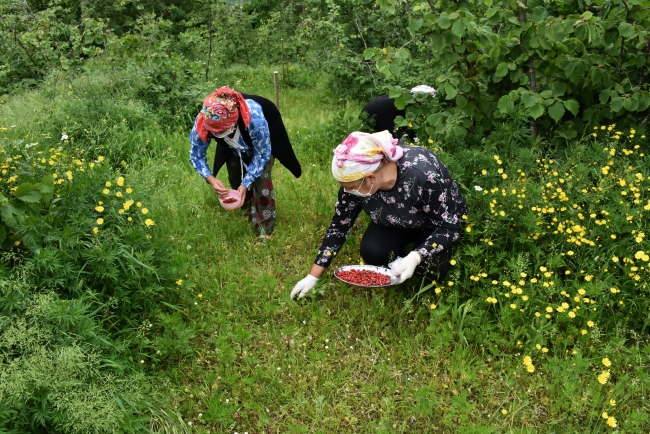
220, 112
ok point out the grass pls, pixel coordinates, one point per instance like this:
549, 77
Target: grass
346, 359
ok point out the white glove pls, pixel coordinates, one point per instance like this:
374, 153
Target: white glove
302, 288
405, 267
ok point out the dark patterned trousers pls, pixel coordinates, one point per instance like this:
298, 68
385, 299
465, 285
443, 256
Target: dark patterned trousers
260, 198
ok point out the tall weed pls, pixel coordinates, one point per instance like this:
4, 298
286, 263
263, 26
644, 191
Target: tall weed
58, 370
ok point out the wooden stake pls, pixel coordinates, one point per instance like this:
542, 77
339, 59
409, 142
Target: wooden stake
277, 93
282, 42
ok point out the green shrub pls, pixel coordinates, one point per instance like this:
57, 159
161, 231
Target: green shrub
97, 235
555, 244
98, 278
58, 370
567, 65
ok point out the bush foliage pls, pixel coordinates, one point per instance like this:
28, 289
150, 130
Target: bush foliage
542, 321
89, 281
568, 66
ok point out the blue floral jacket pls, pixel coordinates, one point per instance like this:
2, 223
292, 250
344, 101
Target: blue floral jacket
261, 152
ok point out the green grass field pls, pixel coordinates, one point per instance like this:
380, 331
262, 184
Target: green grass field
240, 356
348, 359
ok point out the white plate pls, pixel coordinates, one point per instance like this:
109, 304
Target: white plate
382, 270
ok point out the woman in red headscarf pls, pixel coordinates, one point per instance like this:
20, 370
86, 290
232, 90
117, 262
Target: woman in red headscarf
250, 134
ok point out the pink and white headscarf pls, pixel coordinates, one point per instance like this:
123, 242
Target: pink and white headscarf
362, 153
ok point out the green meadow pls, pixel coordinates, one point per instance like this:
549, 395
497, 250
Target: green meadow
175, 320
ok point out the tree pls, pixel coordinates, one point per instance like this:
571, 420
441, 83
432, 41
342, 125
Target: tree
566, 65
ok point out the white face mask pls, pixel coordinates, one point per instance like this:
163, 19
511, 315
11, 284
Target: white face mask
356, 191
227, 132
233, 142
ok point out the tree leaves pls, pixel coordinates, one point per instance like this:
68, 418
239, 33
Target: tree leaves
627, 31
402, 54
443, 21
529, 99
506, 105
604, 96
558, 88
536, 111
616, 104
572, 105
458, 28
584, 73
502, 70
388, 5
435, 119
450, 91
556, 111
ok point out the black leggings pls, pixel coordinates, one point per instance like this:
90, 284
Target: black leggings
381, 245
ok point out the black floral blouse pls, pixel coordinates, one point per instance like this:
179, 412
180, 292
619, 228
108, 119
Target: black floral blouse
424, 197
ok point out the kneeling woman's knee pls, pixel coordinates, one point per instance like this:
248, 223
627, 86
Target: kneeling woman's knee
373, 254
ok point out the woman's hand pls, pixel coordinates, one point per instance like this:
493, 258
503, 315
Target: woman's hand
217, 186
303, 287
242, 193
405, 267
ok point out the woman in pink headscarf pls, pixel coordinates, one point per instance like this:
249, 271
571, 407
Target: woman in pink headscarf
416, 209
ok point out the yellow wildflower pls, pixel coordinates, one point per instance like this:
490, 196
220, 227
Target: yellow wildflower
603, 377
